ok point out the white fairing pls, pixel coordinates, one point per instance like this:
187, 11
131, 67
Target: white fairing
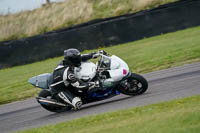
119, 68
86, 71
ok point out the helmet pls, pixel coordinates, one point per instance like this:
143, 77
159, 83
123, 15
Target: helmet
72, 57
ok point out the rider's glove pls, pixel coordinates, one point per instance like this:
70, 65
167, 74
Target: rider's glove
94, 55
72, 77
91, 85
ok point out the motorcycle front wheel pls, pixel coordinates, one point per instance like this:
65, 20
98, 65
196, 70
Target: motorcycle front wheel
134, 85
47, 94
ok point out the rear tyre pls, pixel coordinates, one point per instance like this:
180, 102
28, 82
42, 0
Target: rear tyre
47, 94
134, 85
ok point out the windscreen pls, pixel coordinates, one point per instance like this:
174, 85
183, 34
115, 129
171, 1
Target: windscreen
105, 62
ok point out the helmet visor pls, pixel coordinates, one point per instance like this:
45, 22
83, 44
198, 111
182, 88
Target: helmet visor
76, 61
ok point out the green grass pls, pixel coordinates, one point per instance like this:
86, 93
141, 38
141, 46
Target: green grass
68, 13
142, 56
177, 116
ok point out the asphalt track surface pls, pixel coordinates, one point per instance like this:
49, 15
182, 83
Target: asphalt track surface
164, 85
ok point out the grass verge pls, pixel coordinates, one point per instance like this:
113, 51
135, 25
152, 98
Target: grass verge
177, 116
142, 56
68, 13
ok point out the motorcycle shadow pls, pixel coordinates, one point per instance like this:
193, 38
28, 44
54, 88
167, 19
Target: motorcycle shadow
108, 101
96, 104
87, 109
104, 102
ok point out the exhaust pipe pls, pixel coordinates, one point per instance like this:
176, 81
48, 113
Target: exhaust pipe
49, 102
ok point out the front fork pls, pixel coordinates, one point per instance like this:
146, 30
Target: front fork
124, 82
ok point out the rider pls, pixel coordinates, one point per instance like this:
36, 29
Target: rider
63, 76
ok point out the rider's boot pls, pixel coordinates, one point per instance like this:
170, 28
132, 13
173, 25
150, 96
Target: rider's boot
70, 99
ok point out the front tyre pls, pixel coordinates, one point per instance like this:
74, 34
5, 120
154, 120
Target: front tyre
134, 85
47, 94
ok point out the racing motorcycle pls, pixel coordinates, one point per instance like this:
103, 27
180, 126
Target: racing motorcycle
112, 73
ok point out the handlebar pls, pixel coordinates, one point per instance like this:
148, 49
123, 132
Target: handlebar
101, 53
101, 66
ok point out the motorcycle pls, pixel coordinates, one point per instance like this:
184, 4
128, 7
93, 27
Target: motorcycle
112, 73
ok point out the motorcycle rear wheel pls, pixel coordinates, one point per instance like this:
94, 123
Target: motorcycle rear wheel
47, 94
137, 85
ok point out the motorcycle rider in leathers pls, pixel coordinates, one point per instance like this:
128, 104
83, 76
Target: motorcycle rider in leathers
63, 77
